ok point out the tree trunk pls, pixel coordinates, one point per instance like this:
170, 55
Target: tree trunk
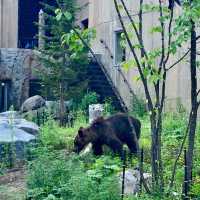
154, 151
194, 105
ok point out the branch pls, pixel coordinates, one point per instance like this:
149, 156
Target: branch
198, 37
198, 92
141, 28
198, 103
144, 81
138, 34
162, 36
170, 35
163, 59
179, 60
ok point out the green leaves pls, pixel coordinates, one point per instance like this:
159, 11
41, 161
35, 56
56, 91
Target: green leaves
156, 29
68, 15
74, 43
128, 64
120, 7
64, 56
59, 14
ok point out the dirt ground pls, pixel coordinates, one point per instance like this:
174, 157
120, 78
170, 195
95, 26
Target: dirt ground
12, 185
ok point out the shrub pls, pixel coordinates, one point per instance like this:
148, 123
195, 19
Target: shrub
139, 107
52, 135
108, 107
89, 98
54, 176
174, 125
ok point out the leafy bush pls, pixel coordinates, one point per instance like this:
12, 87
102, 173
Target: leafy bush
54, 176
108, 108
174, 125
52, 135
89, 98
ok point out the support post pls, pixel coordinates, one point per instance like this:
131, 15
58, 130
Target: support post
41, 31
185, 184
141, 168
124, 172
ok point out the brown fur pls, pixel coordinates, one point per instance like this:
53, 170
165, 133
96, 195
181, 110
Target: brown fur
113, 132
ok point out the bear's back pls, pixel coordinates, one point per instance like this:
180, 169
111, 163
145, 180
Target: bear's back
120, 125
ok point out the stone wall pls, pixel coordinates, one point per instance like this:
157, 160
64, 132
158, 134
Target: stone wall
15, 66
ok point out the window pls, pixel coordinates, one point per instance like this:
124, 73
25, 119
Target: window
120, 53
85, 23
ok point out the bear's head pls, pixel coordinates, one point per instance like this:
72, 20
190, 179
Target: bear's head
87, 135
83, 138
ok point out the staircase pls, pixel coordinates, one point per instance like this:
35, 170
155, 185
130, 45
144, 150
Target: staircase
101, 83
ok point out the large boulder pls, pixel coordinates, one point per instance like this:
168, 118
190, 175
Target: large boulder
33, 103
27, 126
13, 118
10, 134
15, 134
132, 181
9, 114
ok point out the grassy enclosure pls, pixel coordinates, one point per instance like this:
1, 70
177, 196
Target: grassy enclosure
55, 172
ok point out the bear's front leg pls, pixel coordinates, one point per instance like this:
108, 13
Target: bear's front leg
97, 148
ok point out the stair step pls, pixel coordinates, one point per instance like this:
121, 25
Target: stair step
98, 82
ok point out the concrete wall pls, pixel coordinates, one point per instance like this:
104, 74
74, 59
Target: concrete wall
8, 23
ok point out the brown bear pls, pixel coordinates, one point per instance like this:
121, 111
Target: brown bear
113, 132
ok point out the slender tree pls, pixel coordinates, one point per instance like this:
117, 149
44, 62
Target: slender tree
64, 63
194, 94
154, 77
188, 21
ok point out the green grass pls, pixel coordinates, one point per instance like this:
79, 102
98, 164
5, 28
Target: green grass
56, 137
53, 139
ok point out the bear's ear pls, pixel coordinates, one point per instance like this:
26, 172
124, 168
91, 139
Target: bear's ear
80, 132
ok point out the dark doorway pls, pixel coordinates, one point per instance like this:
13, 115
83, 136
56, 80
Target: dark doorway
28, 17
35, 88
5, 87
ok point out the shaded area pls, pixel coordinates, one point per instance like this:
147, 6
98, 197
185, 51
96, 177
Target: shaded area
99, 84
28, 17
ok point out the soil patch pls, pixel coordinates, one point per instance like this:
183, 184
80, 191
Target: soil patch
12, 185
